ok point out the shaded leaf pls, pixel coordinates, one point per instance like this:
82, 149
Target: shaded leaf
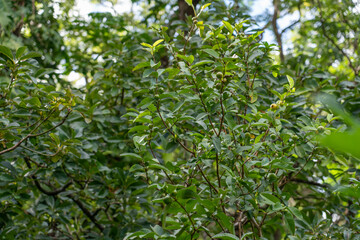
227, 236
7, 52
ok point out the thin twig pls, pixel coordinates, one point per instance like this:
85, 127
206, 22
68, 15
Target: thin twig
333, 42
31, 134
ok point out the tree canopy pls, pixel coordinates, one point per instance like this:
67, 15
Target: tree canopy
188, 124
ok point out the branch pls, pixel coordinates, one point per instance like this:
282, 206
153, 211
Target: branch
55, 192
290, 26
206, 179
38, 185
256, 224
222, 107
276, 31
266, 25
153, 154
43, 154
57, 125
31, 134
308, 182
51, 193
334, 43
87, 212
171, 132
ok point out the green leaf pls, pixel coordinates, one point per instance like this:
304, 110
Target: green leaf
296, 212
135, 168
158, 42
211, 52
269, 198
134, 155
258, 138
227, 236
203, 8
20, 52
349, 191
141, 65
187, 193
147, 73
6, 178
145, 102
230, 121
346, 142
330, 102
226, 221
139, 141
88, 120
172, 72
290, 222
55, 138
138, 128
146, 45
255, 54
253, 96
245, 235
154, 64
189, 59
30, 55
34, 101
7, 52
203, 62
158, 166
217, 143
9, 166
291, 81
189, 2
158, 230
276, 93
139, 234
228, 26
152, 108
160, 71
42, 71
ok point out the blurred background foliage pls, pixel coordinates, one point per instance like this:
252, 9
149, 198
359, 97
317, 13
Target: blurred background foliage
74, 173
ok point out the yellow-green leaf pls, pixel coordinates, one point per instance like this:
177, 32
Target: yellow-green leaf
291, 81
157, 42
189, 2
205, 6
146, 45
228, 26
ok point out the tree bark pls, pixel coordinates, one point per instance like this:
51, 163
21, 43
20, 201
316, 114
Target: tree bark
185, 9
276, 30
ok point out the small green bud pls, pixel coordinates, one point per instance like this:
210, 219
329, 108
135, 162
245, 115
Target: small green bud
272, 177
321, 128
282, 102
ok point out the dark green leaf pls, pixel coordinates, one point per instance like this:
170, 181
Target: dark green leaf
7, 52
227, 236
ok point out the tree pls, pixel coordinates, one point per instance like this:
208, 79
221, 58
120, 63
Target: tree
186, 127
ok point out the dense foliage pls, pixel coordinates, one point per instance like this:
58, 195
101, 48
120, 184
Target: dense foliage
188, 124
